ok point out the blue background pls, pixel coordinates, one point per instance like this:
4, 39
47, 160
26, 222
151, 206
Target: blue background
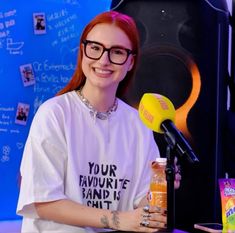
53, 58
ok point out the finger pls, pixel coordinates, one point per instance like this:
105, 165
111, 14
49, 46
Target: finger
153, 224
175, 160
177, 180
177, 169
157, 218
148, 229
178, 176
146, 216
156, 209
146, 209
176, 184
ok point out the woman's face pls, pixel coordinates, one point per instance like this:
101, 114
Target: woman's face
102, 73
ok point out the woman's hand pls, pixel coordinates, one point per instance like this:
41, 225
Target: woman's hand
177, 171
142, 219
177, 174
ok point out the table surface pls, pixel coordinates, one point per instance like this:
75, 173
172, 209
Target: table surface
162, 231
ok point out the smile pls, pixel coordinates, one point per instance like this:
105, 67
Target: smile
102, 71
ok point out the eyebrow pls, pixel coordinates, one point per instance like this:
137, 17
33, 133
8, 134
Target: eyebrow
113, 46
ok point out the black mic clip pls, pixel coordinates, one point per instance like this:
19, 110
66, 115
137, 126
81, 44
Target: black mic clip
176, 141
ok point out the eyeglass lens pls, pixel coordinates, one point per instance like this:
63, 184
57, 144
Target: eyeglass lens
116, 55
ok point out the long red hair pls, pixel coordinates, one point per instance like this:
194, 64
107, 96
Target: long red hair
125, 23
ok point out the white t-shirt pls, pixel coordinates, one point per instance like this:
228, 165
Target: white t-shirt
71, 155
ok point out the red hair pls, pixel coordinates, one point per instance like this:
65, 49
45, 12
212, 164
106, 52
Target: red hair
125, 23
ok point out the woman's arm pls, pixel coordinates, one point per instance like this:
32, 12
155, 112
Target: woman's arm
68, 212
72, 213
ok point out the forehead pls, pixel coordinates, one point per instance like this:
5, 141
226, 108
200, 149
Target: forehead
109, 35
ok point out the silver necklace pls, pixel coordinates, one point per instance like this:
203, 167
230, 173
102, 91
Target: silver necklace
93, 112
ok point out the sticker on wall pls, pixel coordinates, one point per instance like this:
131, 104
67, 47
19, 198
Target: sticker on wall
22, 114
5, 153
14, 47
39, 22
27, 74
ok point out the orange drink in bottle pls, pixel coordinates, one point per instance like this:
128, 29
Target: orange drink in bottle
158, 184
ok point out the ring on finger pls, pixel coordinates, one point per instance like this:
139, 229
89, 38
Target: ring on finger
144, 223
146, 215
146, 209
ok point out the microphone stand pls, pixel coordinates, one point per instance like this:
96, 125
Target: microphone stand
170, 177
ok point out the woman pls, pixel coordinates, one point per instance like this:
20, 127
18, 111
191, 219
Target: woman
85, 166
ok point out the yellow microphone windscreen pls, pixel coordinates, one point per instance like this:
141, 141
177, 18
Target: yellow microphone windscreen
154, 109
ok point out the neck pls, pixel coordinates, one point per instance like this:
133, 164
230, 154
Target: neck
103, 115
101, 101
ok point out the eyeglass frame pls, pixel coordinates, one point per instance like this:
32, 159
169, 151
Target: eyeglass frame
129, 51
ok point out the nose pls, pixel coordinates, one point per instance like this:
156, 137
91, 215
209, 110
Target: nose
104, 59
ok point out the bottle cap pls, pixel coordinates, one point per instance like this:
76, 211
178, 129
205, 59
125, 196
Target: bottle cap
158, 163
161, 160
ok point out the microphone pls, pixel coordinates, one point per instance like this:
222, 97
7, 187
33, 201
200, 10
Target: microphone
158, 113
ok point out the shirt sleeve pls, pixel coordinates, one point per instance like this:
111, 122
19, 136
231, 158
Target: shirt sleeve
43, 162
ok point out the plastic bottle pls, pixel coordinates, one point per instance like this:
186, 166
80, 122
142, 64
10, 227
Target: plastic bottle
158, 184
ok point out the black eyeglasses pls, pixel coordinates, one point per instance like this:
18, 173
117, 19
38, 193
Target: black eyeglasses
116, 55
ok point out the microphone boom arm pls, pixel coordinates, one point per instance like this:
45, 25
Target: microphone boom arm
177, 141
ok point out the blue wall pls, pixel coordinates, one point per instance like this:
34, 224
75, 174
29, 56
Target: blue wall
34, 65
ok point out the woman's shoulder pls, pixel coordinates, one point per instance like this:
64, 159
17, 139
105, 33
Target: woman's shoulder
130, 113
52, 113
130, 117
55, 108
127, 107
57, 102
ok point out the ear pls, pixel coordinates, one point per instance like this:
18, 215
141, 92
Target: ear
132, 62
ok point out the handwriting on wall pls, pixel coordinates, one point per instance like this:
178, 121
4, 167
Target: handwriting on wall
63, 23
51, 77
6, 122
7, 23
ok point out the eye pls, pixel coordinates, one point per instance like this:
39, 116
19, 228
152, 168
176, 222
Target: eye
118, 51
95, 47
